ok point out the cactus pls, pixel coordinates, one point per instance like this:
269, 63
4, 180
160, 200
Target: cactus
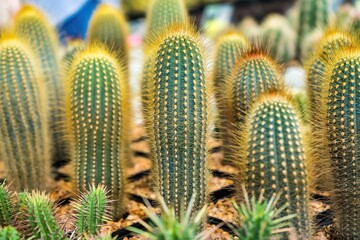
178, 126
91, 210
97, 103
250, 28
274, 157
301, 102
313, 14
253, 74
341, 98
108, 26
7, 206
73, 48
9, 233
31, 25
280, 37
37, 210
24, 145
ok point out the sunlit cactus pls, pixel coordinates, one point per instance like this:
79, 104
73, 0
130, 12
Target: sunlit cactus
25, 143
178, 121
97, 104
32, 26
274, 157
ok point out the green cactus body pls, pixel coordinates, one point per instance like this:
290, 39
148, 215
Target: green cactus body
108, 26
342, 113
91, 211
9, 233
72, 50
145, 88
280, 37
179, 129
97, 105
24, 145
7, 211
254, 74
38, 214
163, 13
313, 14
301, 101
32, 26
275, 157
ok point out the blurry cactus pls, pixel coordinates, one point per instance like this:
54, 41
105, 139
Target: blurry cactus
260, 219
342, 112
91, 211
145, 89
9, 233
31, 25
301, 102
253, 74
7, 206
250, 28
97, 104
135, 6
313, 14
309, 44
37, 211
178, 122
24, 145
72, 49
108, 27
275, 158
280, 37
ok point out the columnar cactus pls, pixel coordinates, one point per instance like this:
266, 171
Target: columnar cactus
108, 26
178, 128
274, 157
97, 103
37, 210
341, 99
24, 145
72, 49
313, 14
280, 37
31, 25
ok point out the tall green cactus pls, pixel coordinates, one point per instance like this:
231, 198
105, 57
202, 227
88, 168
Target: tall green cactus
24, 145
108, 26
31, 25
178, 128
313, 14
275, 158
342, 111
97, 104
37, 210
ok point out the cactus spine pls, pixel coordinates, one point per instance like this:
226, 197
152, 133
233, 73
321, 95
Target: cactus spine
97, 106
25, 142
178, 131
38, 212
109, 27
342, 112
275, 157
313, 14
32, 26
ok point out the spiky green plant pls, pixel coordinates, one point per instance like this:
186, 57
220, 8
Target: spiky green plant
9, 233
108, 26
178, 118
91, 210
168, 227
37, 212
313, 14
341, 100
32, 26
24, 145
7, 206
273, 160
260, 219
97, 105
280, 37
72, 49
301, 102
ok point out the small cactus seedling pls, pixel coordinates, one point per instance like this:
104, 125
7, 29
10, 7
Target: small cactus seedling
24, 145
37, 211
313, 14
341, 99
91, 211
274, 157
178, 123
9, 233
31, 25
280, 37
108, 26
97, 103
